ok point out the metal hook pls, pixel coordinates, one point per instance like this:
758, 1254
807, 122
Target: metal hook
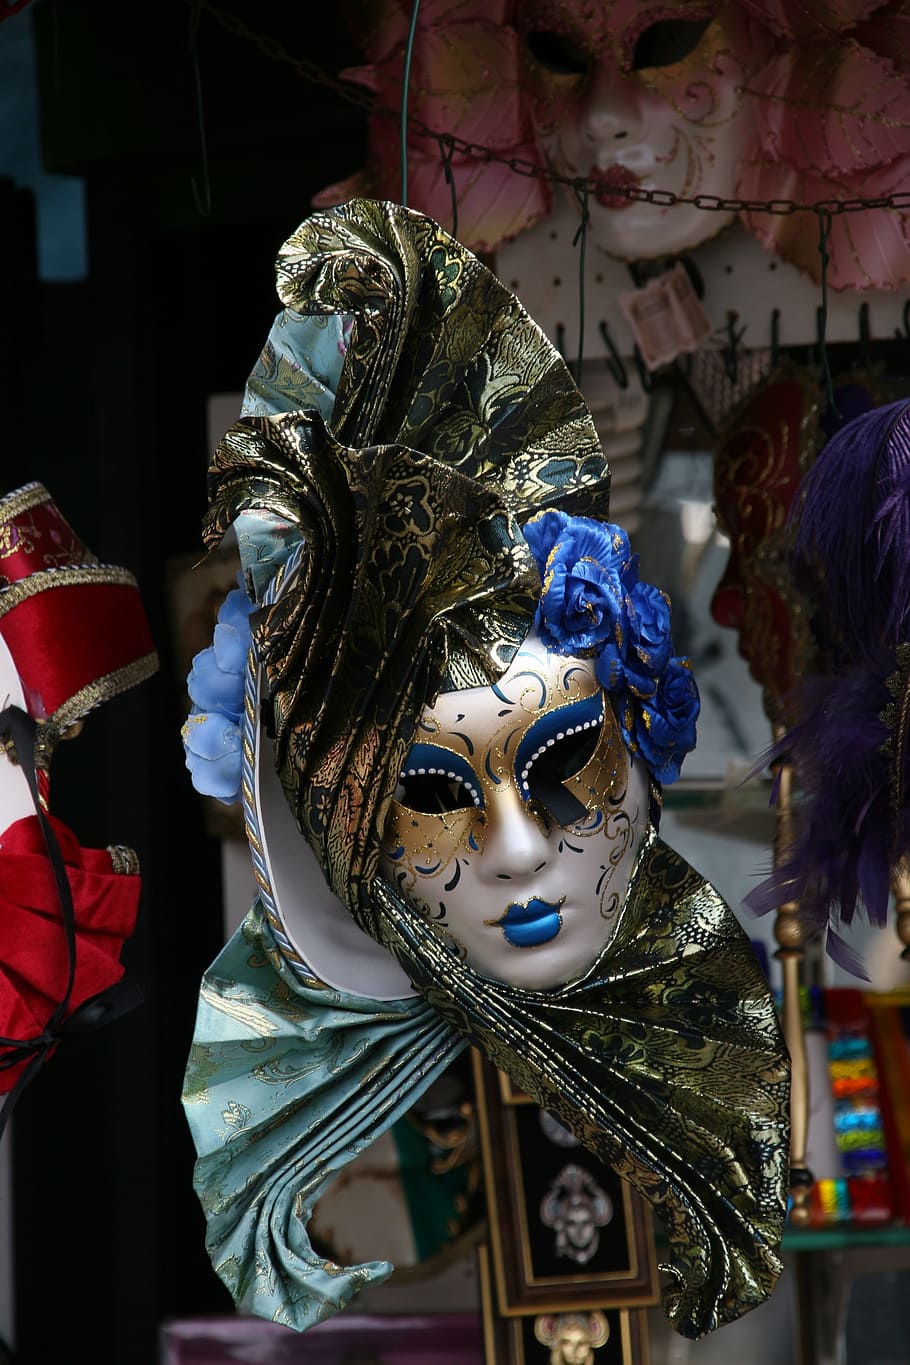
865, 334
696, 279
730, 349
446, 150
203, 197
644, 374
825, 222
581, 238
613, 360
405, 87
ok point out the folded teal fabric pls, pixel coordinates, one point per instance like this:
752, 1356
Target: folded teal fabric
288, 1080
299, 366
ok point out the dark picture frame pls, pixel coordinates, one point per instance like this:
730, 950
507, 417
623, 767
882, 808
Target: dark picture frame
536, 1268
529, 1339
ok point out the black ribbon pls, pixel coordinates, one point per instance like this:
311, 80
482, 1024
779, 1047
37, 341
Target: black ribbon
19, 730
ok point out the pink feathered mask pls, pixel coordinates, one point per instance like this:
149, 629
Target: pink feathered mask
824, 85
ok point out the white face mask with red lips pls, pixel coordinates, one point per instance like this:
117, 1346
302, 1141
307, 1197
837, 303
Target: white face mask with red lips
517, 821
649, 95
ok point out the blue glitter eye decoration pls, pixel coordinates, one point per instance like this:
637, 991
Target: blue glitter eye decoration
555, 748
435, 780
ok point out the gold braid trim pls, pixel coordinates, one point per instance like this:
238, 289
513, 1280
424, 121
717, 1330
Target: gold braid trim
70, 577
86, 700
16, 504
124, 860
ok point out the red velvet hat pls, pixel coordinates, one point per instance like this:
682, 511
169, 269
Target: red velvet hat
76, 629
73, 633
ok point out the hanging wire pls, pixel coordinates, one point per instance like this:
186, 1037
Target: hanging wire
405, 88
865, 334
581, 240
446, 150
203, 196
825, 223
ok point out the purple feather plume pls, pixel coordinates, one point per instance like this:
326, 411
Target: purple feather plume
843, 848
851, 548
851, 559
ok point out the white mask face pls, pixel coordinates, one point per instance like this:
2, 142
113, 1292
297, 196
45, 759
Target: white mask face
644, 95
517, 821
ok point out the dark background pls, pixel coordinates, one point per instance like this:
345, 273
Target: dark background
103, 384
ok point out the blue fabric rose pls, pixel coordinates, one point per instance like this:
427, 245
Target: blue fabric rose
650, 642
211, 733
592, 602
664, 727
583, 566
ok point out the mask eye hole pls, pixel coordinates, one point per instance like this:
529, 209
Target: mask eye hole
565, 759
549, 774
432, 793
435, 781
557, 52
555, 749
668, 41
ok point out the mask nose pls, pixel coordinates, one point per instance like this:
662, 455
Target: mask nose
515, 845
611, 117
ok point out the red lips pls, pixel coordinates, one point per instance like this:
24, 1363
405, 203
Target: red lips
609, 183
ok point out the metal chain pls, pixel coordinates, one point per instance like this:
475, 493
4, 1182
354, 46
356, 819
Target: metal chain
449, 145
272, 49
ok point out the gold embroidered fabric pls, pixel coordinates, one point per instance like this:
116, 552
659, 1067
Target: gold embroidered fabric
455, 419
666, 1060
453, 422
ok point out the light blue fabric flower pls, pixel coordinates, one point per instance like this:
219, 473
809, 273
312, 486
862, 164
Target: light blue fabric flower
211, 733
287, 1082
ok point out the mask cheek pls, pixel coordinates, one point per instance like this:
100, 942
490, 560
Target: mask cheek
704, 88
601, 785
419, 850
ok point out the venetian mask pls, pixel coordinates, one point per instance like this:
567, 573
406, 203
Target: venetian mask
644, 95
517, 819
491, 840
758, 466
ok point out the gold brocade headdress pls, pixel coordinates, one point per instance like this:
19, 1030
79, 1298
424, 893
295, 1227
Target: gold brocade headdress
454, 418
428, 420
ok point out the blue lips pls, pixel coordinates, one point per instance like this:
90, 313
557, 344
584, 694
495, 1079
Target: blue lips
529, 925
